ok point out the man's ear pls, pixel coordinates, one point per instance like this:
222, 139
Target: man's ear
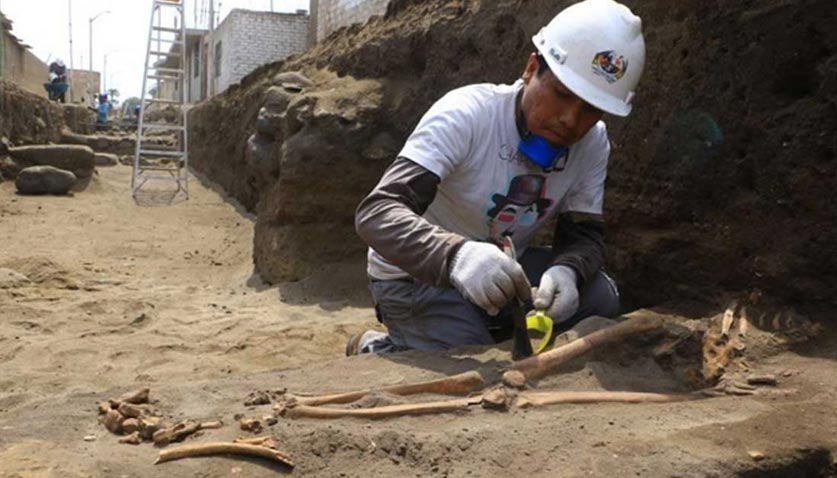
531, 68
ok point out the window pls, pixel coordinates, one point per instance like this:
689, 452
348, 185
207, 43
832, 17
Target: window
196, 61
217, 61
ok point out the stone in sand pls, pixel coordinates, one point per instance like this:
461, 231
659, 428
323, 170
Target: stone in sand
45, 180
75, 158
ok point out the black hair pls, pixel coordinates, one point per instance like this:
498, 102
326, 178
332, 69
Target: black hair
542, 66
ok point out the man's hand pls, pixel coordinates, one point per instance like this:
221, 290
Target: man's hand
486, 276
558, 293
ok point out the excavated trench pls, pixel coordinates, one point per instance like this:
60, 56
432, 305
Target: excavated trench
720, 184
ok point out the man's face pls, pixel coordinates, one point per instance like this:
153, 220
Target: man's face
552, 111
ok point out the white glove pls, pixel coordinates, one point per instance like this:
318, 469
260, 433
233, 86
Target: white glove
557, 294
483, 274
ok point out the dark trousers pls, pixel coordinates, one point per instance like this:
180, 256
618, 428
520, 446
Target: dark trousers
419, 316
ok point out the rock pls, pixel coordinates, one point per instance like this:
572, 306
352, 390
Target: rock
270, 420
756, 455
262, 156
257, 398
105, 159
90, 438
124, 145
45, 180
75, 158
292, 81
766, 379
10, 279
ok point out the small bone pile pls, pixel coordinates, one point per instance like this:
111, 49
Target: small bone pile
132, 416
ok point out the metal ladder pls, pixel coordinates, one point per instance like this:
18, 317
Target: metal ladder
151, 161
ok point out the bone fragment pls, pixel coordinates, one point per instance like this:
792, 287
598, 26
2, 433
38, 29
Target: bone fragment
130, 410
209, 425
132, 439
136, 397
130, 425
444, 406
729, 318
250, 425
497, 399
148, 426
175, 433
266, 440
743, 323
220, 448
113, 421
542, 364
540, 399
514, 379
461, 384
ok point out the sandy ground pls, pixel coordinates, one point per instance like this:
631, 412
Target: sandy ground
162, 295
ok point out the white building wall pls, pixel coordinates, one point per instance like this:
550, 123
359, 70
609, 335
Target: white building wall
193, 76
251, 39
334, 14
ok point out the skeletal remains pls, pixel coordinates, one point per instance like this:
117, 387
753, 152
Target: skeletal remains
477, 393
131, 414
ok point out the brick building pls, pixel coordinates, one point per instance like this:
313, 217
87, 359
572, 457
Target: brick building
244, 41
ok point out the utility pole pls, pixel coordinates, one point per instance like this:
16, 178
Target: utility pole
70, 73
91, 35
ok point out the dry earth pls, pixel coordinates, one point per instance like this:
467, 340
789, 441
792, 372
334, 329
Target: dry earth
162, 295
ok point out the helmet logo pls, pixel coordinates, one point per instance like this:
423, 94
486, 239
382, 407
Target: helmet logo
610, 66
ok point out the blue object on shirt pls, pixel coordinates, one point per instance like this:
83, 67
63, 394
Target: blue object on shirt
540, 152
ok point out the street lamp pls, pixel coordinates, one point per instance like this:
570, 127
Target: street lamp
91, 35
105, 70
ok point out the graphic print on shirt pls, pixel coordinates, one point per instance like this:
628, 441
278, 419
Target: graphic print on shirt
521, 206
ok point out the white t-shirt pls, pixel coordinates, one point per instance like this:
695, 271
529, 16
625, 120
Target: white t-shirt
488, 190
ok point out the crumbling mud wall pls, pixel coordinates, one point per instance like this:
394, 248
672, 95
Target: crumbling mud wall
28, 118
722, 179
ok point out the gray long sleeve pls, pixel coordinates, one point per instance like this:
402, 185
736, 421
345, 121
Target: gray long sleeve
390, 221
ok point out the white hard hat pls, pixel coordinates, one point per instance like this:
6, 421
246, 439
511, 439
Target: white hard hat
596, 49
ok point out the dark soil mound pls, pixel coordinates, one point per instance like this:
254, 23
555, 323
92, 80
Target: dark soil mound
722, 179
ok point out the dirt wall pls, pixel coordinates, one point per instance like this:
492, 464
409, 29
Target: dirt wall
28, 118
722, 179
